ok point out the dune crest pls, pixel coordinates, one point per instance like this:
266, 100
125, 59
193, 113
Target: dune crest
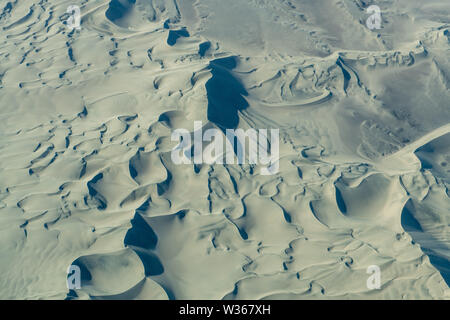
87, 179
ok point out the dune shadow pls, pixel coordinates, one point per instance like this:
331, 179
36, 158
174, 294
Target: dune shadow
96, 198
174, 35
340, 201
118, 9
141, 234
203, 48
427, 242
143, 240
225, 94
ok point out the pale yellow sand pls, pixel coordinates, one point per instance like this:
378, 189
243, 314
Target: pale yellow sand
86, 175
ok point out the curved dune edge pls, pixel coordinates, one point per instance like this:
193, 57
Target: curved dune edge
86, 175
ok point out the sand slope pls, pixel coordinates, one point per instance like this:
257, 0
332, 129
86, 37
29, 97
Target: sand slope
86, 175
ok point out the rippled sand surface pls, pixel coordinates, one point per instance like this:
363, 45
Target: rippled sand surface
87, 179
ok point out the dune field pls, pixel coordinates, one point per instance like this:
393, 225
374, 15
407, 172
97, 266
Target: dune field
89, 104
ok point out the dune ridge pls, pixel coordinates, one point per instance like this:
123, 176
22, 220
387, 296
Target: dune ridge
86, 176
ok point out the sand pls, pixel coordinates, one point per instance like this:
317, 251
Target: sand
86, 176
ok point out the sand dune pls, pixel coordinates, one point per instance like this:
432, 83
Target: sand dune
86, 176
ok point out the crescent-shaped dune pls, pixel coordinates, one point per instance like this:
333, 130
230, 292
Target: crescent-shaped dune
88, 178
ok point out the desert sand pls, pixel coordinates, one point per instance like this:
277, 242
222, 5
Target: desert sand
86, 176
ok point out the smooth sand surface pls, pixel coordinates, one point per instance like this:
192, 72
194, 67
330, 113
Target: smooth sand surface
86, 175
